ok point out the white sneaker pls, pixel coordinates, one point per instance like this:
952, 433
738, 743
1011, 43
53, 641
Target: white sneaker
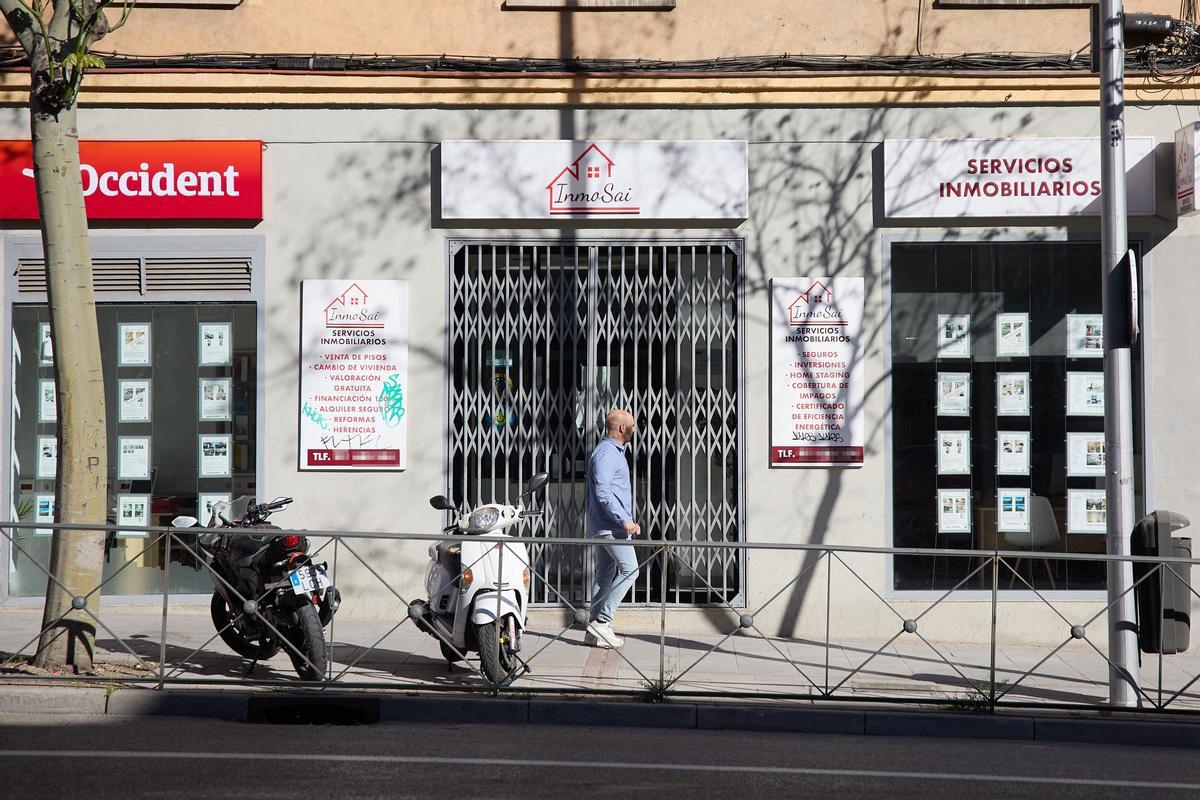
600, 634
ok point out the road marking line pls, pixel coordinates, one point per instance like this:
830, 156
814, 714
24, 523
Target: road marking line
607, 765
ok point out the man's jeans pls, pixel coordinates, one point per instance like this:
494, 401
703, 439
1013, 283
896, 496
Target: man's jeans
616, 570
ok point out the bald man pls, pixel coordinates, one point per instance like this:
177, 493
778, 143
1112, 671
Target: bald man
609, 520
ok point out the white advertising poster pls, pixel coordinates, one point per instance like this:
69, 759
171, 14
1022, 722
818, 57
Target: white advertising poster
47, 401
1085, 394
1185, 169
354, 392
1085, 455
1012, 453
133, 344
133, 396
214, 399
45, 345
1012, 394
44, 513
1085, 336
817, 372
954, 453
954, 394
1087, 511
1012, 335
547, 179
205, 503
954, 510
133, 509
47, 462
1012, 510
214, 459
133, 458
956, 178
954, 335
215, 343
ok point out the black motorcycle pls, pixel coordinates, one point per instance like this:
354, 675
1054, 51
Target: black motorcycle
273, 575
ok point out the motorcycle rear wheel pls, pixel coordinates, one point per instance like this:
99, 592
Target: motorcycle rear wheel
310, 640
233, 636
494, 658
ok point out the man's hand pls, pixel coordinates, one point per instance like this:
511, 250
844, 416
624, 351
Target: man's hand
633, 529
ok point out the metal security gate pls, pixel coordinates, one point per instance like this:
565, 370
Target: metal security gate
546, 337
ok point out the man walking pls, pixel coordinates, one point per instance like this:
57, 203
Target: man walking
609, 519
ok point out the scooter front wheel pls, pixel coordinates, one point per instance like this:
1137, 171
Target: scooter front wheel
495, 659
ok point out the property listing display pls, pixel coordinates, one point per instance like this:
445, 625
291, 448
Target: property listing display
180, 394
354, 375
817, 372
997, 392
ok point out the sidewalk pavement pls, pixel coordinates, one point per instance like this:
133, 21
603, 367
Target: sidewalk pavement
393, 654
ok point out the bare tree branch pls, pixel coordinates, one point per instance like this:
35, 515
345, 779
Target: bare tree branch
25, 23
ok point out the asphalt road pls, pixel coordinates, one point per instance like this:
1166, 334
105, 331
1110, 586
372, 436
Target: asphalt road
110, 757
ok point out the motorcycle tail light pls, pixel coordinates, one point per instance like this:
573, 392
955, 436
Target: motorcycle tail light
291, 541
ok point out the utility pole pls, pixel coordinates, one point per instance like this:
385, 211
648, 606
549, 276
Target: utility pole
1118, 340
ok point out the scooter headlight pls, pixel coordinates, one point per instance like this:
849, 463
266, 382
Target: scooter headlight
483, 519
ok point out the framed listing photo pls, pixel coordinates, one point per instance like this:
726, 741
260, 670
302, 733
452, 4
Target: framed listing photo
954, 336
47, 457
1012, 394
954, 510
45, 345
1085, 336
1085, 394
214, 399
47, 401
133, 344
1012, 335
1012, 453
215, 343
44, 513
1085, 455
133, 458
954, 394
954, 452
1012, 510
205, 503
1087, 511
214, 456
133, 397
133, 509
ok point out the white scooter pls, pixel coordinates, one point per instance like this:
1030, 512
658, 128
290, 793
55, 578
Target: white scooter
478, 586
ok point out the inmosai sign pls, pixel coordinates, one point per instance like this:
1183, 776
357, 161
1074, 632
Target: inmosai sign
680, 181
354, 375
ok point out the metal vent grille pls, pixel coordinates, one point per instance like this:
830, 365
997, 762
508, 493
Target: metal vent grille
132, 276
544, 340
197, 275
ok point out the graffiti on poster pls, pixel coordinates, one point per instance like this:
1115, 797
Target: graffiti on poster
816, 372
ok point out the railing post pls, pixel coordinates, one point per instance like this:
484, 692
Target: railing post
333, 585
828, 611
662, 620
992, 664
166, 590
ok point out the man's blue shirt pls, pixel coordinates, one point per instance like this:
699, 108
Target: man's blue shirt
609, 489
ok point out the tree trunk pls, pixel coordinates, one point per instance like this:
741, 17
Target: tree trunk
81, 491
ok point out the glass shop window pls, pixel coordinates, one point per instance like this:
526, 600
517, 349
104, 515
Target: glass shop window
180, 395
998, 404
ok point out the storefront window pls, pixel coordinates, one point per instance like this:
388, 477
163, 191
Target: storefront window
180, 393
997, 417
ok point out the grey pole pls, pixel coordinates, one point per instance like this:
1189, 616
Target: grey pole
1118, 412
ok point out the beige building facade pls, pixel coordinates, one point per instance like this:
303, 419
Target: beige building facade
523, 330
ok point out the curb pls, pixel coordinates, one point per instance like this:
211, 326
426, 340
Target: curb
365, 708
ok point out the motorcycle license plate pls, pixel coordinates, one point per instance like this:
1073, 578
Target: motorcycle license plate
309, 579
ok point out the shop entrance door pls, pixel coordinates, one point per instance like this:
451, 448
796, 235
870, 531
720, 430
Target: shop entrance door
545, 338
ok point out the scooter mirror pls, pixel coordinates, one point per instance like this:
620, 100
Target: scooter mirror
536, 483
441, 503
184, 522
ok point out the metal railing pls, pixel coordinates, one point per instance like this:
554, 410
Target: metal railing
918, 654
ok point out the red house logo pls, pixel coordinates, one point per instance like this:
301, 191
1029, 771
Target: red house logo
803, 310
350, 310
586, 186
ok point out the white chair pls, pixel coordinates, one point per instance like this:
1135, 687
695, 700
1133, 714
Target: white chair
1043, 532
